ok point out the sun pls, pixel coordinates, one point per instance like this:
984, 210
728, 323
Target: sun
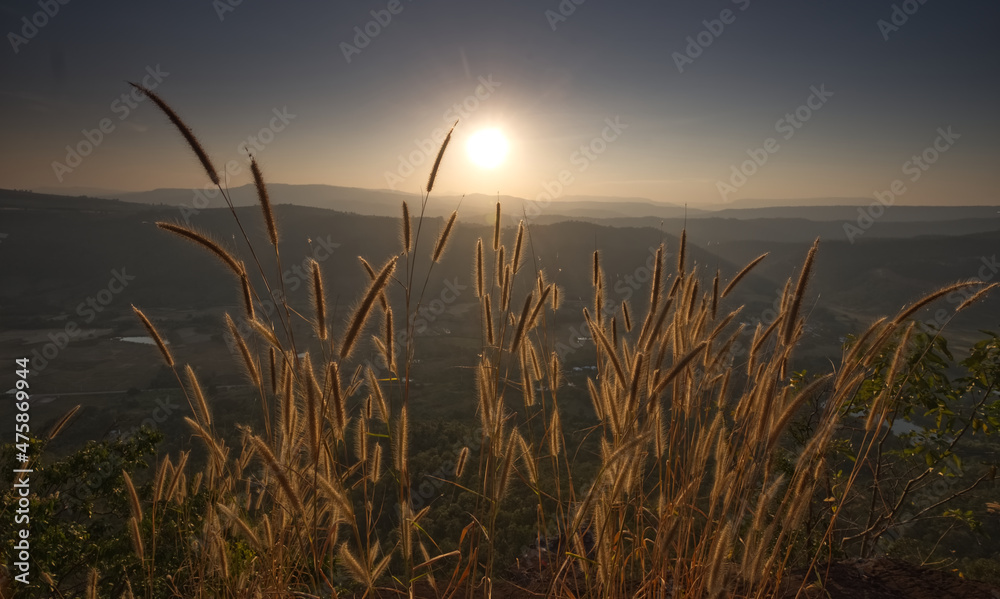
487, 147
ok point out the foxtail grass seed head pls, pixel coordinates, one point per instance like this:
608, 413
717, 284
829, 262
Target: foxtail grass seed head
133, 497
406, 228
383, 300
160, 343
746, 269
519, 333
402, 441
247, 296
265, 201
597, 268
189, 136
248, 360
437, 161
206, 243
902, 316
500, 267
800, 290
136, 538
976, 296
203, 412
516, 261
319, 300
443, 239
496, 229
505, 289
654, 290
539, 306
488, 319
682, 252
364, 309
58, 426
555, 371
479, 268
339, 403
715, 295
273, 371
555, 434
389, 343
463, 457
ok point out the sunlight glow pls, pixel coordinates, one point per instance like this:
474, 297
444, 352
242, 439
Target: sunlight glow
487, 148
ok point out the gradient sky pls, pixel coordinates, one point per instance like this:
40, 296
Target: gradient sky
559, 81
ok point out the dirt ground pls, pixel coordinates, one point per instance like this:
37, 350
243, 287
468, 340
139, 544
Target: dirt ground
877, 578
881, 578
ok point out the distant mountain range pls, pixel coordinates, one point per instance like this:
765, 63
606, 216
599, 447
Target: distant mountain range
618, 211
61, 250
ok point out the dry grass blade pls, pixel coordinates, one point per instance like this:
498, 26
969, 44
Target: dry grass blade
365, 307
189, 136
437, 161
800, 291
206, 243
265, 201
443, 239
739, 276
160, 343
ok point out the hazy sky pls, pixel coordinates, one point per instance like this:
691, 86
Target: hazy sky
664, 100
